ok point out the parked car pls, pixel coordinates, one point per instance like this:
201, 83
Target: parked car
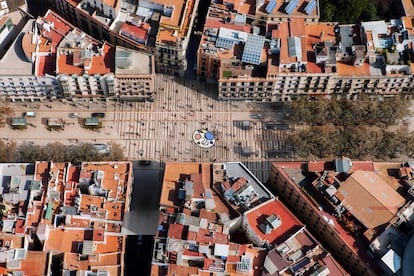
30, 114
98, 115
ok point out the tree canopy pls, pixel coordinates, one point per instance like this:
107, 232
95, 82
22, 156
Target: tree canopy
355, 11
357, 129
10, 152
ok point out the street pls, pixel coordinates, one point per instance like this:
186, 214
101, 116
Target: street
162, 130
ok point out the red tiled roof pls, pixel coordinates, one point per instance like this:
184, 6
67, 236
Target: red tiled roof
98, 64
64, 240
174, 269
112, 244
333, 266
257, 215
198, 187
319, 166
60, 27
114, 174
42, 172
114, 210
20, 226
363, 166
98, 235
175, 231
205, 236
192, 236
134, 31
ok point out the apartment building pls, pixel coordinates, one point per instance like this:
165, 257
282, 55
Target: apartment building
60, 61
218, 218
287, 53
64, 218
351, 204
152, 26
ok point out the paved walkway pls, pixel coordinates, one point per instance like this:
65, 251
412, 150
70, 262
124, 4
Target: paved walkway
163, 130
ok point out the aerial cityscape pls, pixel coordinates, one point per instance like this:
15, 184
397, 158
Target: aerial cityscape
192, 137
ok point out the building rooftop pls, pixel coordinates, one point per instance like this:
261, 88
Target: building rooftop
369, 198
317, 33
292, 9
91, 59
130, 62
408, 7
35, 263
300, 252
176, 172
14, 61
76, 210
258, 218
136, 32
206, 240
322, 202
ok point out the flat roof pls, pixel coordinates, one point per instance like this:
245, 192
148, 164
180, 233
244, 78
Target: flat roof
14, 62
131, 62
290, 224
238, 169
317, 32
34, 263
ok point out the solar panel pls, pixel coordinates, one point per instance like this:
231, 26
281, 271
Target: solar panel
252, 52
291, 6
310, 7
271, 6
224, 43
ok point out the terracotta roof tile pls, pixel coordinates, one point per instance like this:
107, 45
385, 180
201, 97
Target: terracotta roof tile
34, 263
64, 240
175, 231
205, 236
134, 31
369, 198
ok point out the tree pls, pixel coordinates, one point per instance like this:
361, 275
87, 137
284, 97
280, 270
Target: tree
4, 112
29, 153
8, 152
116, 153
301, 112
347, 11
54, 152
